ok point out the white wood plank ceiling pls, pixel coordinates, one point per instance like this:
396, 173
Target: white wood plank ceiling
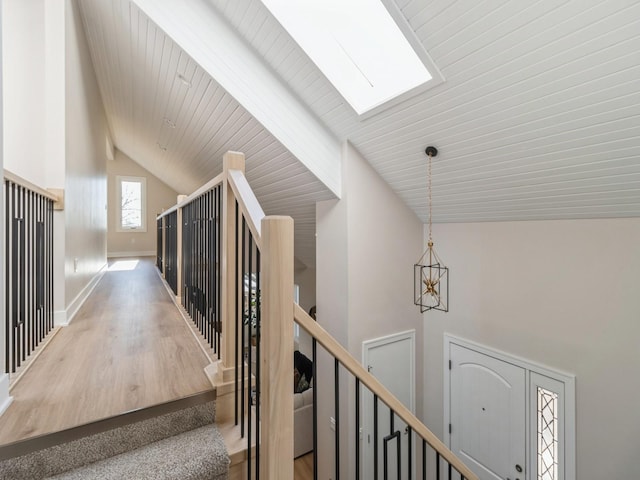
538, 117
171, 117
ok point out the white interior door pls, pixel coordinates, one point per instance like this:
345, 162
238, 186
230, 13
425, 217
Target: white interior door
392, 361
487, 414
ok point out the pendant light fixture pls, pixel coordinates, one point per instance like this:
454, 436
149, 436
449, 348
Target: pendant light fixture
430, 276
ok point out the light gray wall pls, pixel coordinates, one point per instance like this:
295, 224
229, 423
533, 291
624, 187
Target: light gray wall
305, 278
23, 56
4, 378
560, 293
86, 176
159, 197
366, 243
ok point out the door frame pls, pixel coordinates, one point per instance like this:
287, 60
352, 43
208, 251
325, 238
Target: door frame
531, 370
377, 342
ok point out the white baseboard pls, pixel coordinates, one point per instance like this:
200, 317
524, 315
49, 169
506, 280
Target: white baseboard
5, 399
60, 318
148, 253
64, 317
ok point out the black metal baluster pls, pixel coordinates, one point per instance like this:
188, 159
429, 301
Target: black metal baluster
424, 459
314, 356
249, 362
212, 259
357, 439
449, 475
220, 229
7, 281
50, 263
337, 415
23, 281
236, 314
409, 452
28, 290
375, 437
243, 339
258, 366
437, 466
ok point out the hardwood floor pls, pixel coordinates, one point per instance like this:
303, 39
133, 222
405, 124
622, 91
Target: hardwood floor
127, 348
303, 467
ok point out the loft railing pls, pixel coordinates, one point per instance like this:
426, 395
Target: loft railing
232, 268
29, 268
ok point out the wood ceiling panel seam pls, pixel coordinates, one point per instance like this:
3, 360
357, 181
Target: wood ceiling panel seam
434, 16
221, 126
449, 95
433, 27
626, 157
215, 101
228, 108
559, 198
559, 202
527, 126
197, 108
413, 7
233, 141
544, 176
418, 198
241, 144
510, 23
414, 123
611, 182
549, 45
475, 144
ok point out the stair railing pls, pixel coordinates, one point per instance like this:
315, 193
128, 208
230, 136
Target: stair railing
233, 269
435, 455
29, 268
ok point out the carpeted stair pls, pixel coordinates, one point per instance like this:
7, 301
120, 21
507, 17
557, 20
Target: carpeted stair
184, 444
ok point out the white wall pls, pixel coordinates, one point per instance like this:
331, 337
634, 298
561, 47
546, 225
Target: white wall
366, 245
23, 57
305, 278
560, 293
86, 177
4, 378
159, 197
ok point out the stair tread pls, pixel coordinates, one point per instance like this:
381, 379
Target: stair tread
94, 448
193, 455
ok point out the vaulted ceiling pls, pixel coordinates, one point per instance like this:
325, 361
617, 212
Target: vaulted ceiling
538, 116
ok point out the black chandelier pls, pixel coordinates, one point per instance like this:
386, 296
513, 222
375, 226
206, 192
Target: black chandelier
430, 276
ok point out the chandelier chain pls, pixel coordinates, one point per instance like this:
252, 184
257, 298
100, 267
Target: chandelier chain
429, 192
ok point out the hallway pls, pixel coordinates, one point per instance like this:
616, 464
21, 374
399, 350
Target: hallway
127, 348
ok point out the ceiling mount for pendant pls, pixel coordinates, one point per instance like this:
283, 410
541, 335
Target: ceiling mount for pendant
430, 276
431, 151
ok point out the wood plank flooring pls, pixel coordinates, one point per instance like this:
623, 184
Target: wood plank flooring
303, 467
127, 348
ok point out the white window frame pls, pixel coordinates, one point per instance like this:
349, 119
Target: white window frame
535, 375
143, 183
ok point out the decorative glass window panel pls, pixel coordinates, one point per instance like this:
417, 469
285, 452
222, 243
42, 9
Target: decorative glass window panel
547, 413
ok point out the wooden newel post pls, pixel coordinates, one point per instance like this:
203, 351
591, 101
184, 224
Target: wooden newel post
230, 161
276, 455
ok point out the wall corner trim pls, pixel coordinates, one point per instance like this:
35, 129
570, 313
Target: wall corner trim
5, 398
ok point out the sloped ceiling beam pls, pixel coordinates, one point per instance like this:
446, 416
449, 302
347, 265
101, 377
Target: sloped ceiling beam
203, 34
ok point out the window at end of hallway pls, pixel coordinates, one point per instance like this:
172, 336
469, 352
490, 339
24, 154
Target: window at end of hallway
132, 204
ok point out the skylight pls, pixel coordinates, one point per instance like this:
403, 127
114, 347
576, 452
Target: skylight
357, 45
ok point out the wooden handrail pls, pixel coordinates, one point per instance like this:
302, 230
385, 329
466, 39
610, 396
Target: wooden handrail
204, 188
249, 205
351, 364
12, 177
